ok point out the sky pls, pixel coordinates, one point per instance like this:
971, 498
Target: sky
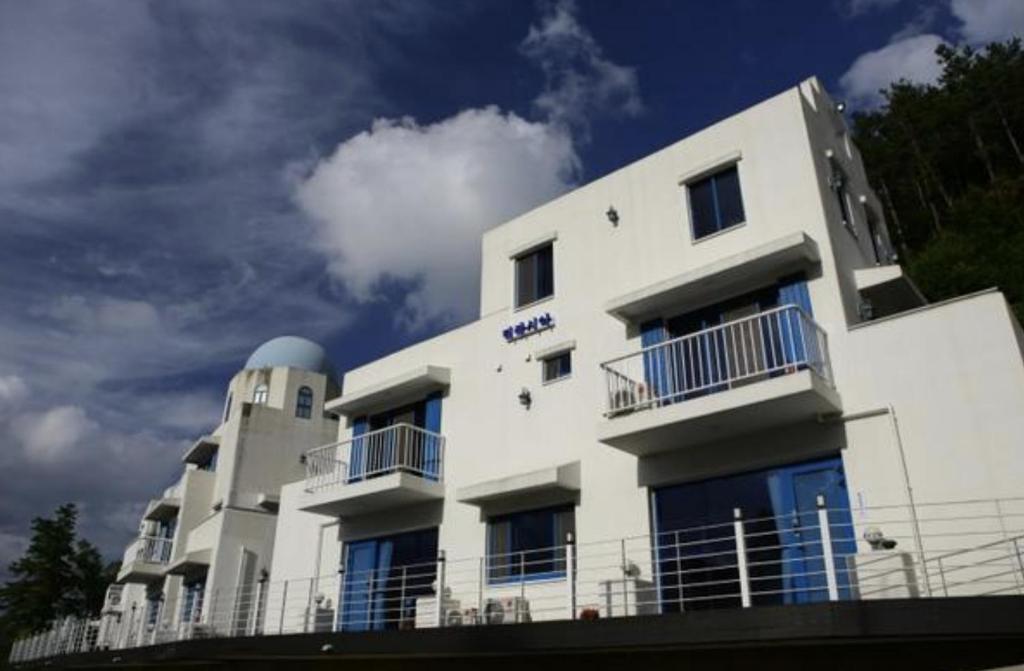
182, 180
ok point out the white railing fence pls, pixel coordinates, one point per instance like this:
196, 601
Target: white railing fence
771, 343
967, 548
398, 448
154, 549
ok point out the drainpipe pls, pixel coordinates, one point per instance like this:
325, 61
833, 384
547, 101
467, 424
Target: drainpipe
904, 470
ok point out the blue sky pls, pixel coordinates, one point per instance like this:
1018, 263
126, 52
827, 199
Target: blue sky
182, 180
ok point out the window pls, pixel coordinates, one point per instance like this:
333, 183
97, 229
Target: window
210, 463
227, 406
153, 600
259, 395
838, 183
556, 367
716, 203
304, 403
534, 276
192, 601
528, 545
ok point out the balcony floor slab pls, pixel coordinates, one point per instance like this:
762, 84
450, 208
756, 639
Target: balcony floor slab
779, 401
374, 494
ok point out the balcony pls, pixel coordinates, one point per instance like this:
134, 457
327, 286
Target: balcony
757, 372
388, 468
145, 559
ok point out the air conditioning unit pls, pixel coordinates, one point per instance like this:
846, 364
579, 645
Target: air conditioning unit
507, 610
453, 617
623, 401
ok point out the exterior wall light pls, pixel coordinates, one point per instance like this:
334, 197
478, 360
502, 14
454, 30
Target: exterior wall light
525, 398
613, 215
841, 106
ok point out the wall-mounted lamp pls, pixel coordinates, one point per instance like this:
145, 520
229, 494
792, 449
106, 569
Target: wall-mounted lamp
264, 576
841, 106
613, 215
525, 398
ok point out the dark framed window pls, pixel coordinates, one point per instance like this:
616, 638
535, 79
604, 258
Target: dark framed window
556, 367
837, 181
210, 464
304, 403
716, 202
528, 545
535, 276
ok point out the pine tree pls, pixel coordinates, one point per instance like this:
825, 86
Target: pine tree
57, 576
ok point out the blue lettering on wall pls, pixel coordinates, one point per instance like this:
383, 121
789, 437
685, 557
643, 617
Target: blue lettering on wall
528, 327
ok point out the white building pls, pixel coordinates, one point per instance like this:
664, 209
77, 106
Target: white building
717, 332
213, 530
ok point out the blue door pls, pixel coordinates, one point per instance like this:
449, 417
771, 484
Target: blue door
795, 492
360, 569
695, 547
383, 578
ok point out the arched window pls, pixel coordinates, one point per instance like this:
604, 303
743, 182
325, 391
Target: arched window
259, 395
304, 403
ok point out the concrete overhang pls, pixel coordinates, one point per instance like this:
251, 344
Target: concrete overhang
141, 572
201, 450
269, 502
564, 478
739, 271
164, 509
192, 563
888, 289
408, 386
789, 399
351, 499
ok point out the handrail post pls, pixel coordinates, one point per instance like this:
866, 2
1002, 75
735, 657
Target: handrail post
570, 574
625, 577
440, 588
284, 605
826, 550
741, 557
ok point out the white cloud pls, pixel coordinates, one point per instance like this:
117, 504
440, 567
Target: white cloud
408, 202
12, 390
989, 20
50, 436
912, 58
579, 80
857, 7
105, 314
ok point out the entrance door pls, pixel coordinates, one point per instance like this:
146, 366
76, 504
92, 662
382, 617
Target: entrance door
695, 548
795, 491
384, 577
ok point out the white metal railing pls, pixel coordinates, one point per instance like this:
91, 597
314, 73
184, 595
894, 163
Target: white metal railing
153, 549
771, 343
398, 448
937, 550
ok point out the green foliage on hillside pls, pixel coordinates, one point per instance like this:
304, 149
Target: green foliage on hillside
947, 161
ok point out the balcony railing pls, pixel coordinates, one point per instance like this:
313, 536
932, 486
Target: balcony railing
930, 550
153, 549
766, 345
402, 448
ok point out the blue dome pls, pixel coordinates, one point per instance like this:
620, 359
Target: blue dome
293, 352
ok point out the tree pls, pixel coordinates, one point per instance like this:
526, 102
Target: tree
947, 161
58, 576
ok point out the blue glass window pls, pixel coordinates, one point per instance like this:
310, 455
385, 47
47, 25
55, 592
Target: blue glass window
304, 403
557, 367
716, 203
535, 276
528, 545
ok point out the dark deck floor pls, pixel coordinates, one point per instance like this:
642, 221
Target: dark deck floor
954, 633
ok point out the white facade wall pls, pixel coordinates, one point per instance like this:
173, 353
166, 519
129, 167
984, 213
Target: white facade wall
952, 373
